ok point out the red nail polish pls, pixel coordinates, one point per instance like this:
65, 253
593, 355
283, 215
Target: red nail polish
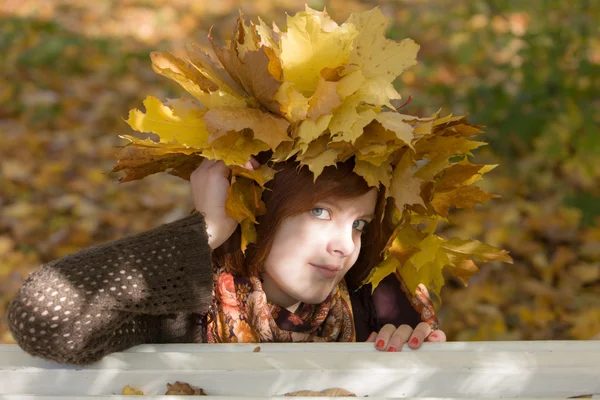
433, 335
391, 349
380, 344
414, 340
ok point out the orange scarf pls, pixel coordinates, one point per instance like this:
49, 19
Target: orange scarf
241, 313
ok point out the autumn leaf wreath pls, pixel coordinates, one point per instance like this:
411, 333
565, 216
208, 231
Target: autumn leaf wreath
320, 92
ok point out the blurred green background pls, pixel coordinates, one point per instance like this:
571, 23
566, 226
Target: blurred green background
71, 70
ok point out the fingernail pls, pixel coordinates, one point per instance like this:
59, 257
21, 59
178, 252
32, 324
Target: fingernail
433, 335
414, 340
391, 349
380, 344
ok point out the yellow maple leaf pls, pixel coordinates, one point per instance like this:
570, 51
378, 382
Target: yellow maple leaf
318, 156
345, 116
350, 84
248, 233
244, 200
324, 100
178, 122
394, 122
462, 269
477, 249
434, 145
310, 130
430, 275
262, 175
378, 55
432, 167
386, 267
293, 104
374, 174
266, 127
312, 43
234, 148
209, 69
462, 197
129, 391
405, 188
363, 118
430, 251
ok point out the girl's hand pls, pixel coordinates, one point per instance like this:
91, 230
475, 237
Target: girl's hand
210, 183
391, 338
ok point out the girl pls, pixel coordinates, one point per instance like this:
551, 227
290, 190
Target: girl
188, 281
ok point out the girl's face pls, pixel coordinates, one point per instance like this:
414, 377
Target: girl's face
312, 251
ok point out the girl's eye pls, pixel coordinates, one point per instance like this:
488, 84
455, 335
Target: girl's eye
319, 212
323, 213
359, 225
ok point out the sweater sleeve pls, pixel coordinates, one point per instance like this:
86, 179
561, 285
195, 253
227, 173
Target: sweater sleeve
152, 287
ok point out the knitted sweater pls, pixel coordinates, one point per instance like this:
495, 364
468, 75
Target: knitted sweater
153, 287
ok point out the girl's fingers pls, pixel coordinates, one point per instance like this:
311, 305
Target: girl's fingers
372, 337
419, 335
383, 337
437, 336
399, 337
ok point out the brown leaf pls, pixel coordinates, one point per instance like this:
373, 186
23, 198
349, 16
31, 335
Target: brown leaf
183, 389
139, 162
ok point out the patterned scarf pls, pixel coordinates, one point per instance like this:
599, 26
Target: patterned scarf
241, 313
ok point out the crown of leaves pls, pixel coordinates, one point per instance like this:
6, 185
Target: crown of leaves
320, 92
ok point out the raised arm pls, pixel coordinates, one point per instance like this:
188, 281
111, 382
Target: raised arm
148, 288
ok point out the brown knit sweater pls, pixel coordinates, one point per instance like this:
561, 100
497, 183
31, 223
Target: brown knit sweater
154, 287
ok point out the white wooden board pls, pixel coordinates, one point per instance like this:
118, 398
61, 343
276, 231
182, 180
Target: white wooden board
543, 369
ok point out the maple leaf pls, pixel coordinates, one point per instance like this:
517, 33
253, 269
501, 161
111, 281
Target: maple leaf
266, 127
431, 168
395, 122
477, 249
129, 391
462, 197
324, 100
318, 156
405, 188
378, 55
312, 43
461, 174
376, 144
138, 162
374, 174
244, 200
234, 148
310, 130
183, 389
209, 69
257, 72
177, 122
449, 145
262, 175
382, 60
430, 275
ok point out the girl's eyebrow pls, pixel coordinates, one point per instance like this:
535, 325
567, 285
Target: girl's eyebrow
371, 216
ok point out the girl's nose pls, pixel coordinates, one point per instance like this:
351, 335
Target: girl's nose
341, 243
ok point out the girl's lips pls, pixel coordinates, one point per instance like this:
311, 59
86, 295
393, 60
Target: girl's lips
326, 271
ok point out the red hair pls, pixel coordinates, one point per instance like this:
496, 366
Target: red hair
294, 192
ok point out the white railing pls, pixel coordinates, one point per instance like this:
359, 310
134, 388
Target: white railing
537, 369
